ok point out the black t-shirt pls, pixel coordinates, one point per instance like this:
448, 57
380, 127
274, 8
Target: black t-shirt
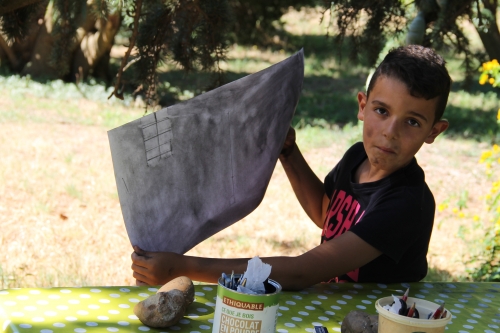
394, 214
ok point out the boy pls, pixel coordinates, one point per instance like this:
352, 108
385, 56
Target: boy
374, 207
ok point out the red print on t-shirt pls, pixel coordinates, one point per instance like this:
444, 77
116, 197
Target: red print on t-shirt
342, 211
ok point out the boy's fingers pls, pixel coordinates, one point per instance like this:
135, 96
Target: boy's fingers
140, 251
140, 283
138, 259
140, 278
140, 269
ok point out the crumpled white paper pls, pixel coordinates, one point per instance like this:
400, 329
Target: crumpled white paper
394, 307
257, 272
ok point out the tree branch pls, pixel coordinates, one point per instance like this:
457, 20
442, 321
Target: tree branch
7, 6
116, 92
12, 57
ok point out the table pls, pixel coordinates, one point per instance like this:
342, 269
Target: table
475, 307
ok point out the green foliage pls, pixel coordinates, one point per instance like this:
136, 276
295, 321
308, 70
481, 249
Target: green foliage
383, 18
488, 256
58, 89
191, 33
372, 23
487, 259
101, 8
59, 100
16, 24
257, 22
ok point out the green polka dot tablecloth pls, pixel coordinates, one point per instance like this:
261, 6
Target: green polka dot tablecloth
475, 307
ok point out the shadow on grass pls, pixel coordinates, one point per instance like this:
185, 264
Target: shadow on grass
333, 101
439, 275
470, 123
329, 100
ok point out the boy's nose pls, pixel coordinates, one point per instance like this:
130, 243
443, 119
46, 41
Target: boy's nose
391, 130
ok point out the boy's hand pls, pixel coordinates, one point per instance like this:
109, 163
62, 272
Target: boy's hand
154, 268
289, 144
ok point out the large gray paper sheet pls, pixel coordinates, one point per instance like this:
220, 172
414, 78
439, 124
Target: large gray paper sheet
187, 171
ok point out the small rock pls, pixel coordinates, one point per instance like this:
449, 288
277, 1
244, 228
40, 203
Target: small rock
182, 283
359, 322
163, 309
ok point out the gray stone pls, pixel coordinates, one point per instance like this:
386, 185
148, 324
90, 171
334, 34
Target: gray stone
359, 322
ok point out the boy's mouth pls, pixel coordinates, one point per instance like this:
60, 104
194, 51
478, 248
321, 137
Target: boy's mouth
386, 150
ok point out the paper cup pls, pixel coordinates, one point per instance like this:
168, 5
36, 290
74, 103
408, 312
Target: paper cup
389, 322
236, 312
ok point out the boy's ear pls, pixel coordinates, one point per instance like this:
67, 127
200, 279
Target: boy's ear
361, 105
438, 128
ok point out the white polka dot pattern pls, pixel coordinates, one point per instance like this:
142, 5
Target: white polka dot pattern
475, 307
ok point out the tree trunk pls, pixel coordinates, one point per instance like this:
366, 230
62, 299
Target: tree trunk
18, 52
491, 37
491, 42
94, 39
6, 50
95, 46
38, 65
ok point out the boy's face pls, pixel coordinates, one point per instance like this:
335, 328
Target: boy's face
396, 124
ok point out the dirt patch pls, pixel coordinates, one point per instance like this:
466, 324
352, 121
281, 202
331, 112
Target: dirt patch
61, 220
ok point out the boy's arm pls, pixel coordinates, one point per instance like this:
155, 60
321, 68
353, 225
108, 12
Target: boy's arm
328, 260
157, 268
308, 188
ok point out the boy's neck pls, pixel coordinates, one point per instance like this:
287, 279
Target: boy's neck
366, 173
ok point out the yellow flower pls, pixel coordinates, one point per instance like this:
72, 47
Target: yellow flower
486, 66
461, 214
495, 63
496, 147
498, 114
455, 209
483, 78
486, 154
476, 218
491, 80
442, 207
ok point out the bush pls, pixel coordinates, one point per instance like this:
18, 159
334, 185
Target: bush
490, 73
489, 255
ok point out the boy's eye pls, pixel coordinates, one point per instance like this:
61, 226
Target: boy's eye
381, 111
413, 122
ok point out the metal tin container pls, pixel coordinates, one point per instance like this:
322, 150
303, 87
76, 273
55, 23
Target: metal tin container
236, 312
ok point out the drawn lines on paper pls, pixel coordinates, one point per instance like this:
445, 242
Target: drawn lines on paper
157, 135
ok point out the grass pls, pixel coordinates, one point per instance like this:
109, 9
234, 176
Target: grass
60, 214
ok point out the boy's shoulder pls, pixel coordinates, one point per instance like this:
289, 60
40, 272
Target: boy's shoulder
356, 150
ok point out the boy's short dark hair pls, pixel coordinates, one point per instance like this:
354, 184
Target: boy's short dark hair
421, 69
